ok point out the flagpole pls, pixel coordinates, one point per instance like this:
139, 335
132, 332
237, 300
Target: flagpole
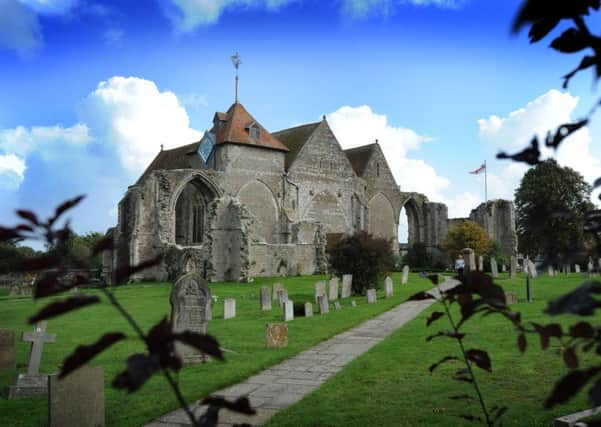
485, 183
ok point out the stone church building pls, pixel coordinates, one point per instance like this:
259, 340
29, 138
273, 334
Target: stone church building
243, 202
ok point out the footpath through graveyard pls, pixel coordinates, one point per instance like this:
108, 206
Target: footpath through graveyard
284, 384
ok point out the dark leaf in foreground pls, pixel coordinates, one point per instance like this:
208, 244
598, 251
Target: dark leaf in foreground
461, 397
533, 11
587, 61
433, 278
240, 405
480, 358
449, 334
522, 342
65, 206
205, 343
582, 330
9, 233
579, 301
563, 132
571, 40
160, 343
433, 317
471, 418
43, 262
568, 386
140, 368
85, 353
541, 28
125, 272
530, 155
441, 361
570, 358
104, 244
29, 216
61, 307
48, 285
420, 296
499, 412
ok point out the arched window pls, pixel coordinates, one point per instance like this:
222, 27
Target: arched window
190, 215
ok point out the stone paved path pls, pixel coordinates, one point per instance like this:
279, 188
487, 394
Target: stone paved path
282, 385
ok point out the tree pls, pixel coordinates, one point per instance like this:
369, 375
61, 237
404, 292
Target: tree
467, 234
417, 256
551, 205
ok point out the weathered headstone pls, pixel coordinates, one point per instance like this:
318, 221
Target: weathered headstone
337, 305
511, 298
14, 291
550, 270
323, 303
353, 303
577, 268
590, 266
388, 288
276, 335
190, 306
77, 399
7, 350
229, 308
347, 283
371, 296
532, 269
333, 289
494, 269
503, 268
288, 311
513, 266
32, 383
265, 298
274, 292
405, 276
568, 269
320, 290
282, 297
599, 264
308, 309
480, 263
470, 259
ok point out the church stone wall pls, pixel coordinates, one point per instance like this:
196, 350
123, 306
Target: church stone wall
497, 217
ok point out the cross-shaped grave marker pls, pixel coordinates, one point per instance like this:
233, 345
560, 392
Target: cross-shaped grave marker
37, 338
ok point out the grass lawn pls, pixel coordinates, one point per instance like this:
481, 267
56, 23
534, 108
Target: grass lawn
390, 385
148, 303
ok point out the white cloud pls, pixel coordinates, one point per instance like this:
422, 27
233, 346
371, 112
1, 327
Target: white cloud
133, 116
19, 27
513, 133
12, 170
363, 8
50, 7
43, 139
187, 15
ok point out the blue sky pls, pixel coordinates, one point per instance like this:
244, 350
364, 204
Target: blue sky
90, 89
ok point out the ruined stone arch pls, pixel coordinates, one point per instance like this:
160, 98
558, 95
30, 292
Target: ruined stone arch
259, 201
381, 218
326, 209
415, 220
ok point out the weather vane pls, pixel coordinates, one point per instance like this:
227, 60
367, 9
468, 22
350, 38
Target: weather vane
236, 61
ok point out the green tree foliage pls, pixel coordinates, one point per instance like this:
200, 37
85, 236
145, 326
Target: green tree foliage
11, 252
551, 204
467, 234
80, 247
365, 257
418, 257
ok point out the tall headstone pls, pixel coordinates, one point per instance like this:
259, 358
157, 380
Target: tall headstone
337, 306
333, 289
480, 263
323, 303
577, 268
282, 297
371, 296
511, 298
190, 306
308, 309
276, 335
77, 399
32, 383
265, 298
229, 308
568, 268
494, 269
347, 283
388, 287
532, 269
503, 268
320, 290
513, 266
405, 276
7, 350
470, 259
288, 311
550, 270
275, 289
590, 266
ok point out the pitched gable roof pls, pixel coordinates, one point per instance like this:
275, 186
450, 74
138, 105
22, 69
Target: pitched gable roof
184, 157
233, 128
359, 157
295, 138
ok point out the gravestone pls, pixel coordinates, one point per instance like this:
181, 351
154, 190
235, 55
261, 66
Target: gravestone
14, 291
288, 311
550, 270
388, 288
333, 289
265, 298
320, 290
229, 308
480, 263
282, 297
513, 266
353, 303
599, 264
469, 259
308, 309
276, 288
503, 268
32, 383
532, 269
568, 269
276, 335
7, 350
77, 399
494, 269
347, 284
405, 277
590, 266
577, 268
371, 296
190, 307
324, 306
337, 305
511, 298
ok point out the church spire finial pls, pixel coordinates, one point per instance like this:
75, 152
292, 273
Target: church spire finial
236, 61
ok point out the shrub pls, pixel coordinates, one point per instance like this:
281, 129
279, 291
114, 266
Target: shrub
365, 257
418, 256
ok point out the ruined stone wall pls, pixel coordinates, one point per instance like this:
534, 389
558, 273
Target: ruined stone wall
497, 217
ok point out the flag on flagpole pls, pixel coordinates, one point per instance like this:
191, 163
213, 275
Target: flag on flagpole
481, 169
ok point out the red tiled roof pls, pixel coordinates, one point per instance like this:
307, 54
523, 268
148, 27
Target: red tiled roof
234, 129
